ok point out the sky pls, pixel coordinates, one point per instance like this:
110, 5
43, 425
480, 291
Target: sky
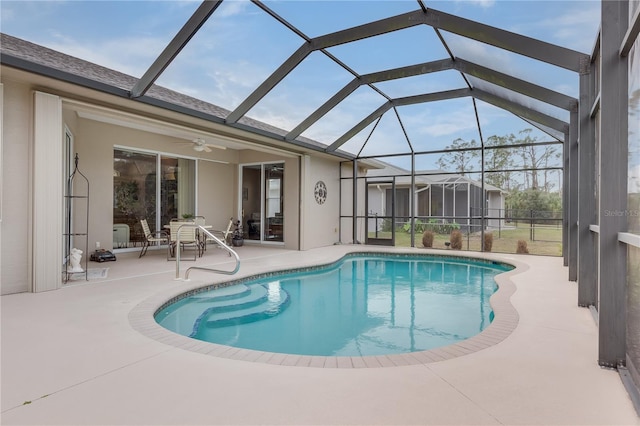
240, 46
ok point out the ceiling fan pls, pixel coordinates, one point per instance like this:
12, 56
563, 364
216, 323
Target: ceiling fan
201, 145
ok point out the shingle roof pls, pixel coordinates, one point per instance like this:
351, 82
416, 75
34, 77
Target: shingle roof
53, 60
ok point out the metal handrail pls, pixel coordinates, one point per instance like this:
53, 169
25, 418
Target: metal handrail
218, 241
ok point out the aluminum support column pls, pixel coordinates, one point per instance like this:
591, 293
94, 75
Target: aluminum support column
565, 201
413, 199
613, 185
355, 201
573, 197
587, 262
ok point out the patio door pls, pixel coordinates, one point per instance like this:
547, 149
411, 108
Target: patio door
380, 218
152, 186
262, 205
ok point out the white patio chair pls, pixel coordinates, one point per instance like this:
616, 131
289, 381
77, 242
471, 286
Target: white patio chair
225, 235
151, 238
188, 238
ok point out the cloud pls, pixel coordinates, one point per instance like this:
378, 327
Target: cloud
480, 53
575, 28
482, 3
130, 55
232, 8
447, 119
8, 14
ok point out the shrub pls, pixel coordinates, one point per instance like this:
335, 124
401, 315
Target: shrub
427, 239
419, 226
488, 241
456, 239
522, 247
440, 227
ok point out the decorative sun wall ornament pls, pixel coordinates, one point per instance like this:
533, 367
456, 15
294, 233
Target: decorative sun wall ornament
320, 192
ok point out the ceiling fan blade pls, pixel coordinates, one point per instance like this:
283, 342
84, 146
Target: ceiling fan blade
206, 148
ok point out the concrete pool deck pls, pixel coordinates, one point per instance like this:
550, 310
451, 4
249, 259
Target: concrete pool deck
73, 356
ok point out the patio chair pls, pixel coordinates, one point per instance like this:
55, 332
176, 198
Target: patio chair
151, 238
188, 238
202, 237
225, 235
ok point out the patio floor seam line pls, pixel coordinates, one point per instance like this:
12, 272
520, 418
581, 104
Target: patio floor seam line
464, 395
547, 327
89, 379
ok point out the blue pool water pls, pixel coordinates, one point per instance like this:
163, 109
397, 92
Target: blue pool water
366, 304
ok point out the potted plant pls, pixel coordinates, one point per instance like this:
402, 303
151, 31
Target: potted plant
237, 240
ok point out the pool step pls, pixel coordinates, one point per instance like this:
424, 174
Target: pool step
272, 304
256, 295
223, 293
237, 304
182, 319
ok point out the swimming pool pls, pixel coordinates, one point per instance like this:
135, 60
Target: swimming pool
364, 304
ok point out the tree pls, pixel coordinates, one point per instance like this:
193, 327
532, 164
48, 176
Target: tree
536, 157
551, 158
499, 159
545, 205
462, 161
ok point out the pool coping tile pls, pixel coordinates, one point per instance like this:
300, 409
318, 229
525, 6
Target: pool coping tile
331, 362
253, 356
317, 361
304, 361
358, 362
265, 357
344, 362
290, 360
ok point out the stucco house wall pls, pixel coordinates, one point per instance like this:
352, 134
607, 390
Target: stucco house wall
320, 221
15, 275
94, 141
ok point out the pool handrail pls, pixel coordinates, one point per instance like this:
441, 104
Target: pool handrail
218, 241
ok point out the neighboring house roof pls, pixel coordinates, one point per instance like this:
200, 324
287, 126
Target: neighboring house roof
426, 177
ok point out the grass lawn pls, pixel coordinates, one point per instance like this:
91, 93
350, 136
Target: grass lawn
548, 240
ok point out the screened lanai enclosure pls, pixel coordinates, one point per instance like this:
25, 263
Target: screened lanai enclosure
510, 118
473, 119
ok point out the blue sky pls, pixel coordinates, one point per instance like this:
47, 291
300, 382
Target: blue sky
241, 45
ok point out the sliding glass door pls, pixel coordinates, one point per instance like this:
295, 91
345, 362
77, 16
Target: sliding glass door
149, 186
178, 192
262, 203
